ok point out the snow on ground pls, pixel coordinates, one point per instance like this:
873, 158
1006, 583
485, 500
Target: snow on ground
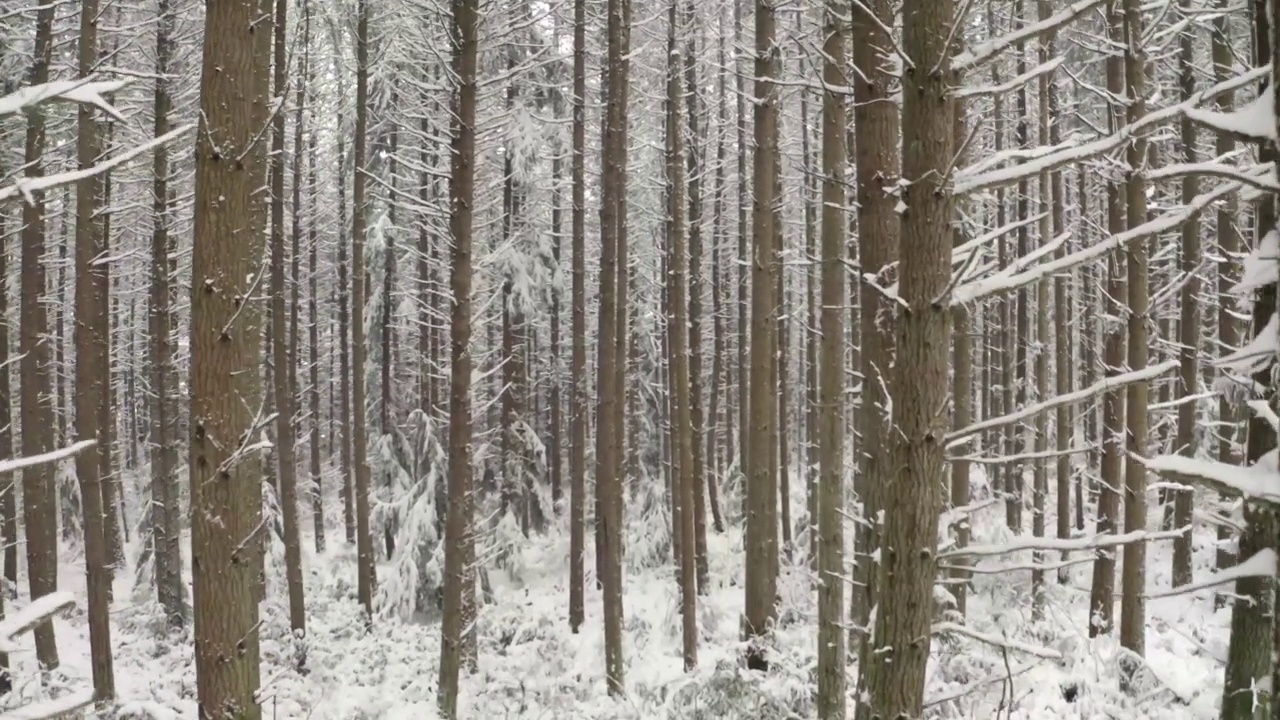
532, 666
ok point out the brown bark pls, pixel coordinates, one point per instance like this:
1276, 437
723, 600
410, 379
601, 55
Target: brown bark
761, 498
1101, 601
920, 383
1189, 322
39, 498
830, 421
281, 359
876, 120
92, 370
359, 283
166, 512
226, 358
1133, 579
697, 418
459, 548
609, 393
681, 426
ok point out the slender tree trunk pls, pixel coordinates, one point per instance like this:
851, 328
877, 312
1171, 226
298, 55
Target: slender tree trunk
578, 327
92, 370
1101, 600
459, 547
282, 359
1133, 580
681, 427
344, 351
697, 417
830, 525
609, 391
39, 496
166, 517
761, 537
359, 283
1189, 323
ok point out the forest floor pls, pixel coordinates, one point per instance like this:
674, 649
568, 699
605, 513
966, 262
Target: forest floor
532, 666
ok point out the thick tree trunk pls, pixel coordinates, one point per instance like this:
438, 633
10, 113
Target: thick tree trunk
226, 358
876, 122
920, 383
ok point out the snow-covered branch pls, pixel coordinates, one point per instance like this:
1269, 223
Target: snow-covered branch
996, 640
27, 187
984, 52
84, 90
1255, 120
1257, 483
970, 292
1262, 564
971, 179
8, 466
1096, 542
957, 437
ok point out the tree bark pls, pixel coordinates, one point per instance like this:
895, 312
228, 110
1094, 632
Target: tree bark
227, 401
459, 547
39, 497
920, 383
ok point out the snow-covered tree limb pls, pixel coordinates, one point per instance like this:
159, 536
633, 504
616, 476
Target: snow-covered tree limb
957, 437
987, 51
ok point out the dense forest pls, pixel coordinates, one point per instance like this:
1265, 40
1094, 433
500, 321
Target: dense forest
873, 359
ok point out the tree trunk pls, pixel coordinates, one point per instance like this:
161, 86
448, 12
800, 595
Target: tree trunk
166, 513
830, 522
876, 120
1189, 323
281, 359
609, 392
359, 283
459, 544
681, 426
1101, 598
761, 536
1133, 580
578, 327
39, 496
92, 371
226, 357
920, 383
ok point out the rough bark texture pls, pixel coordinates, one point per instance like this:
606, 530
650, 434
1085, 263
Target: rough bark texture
920, 386
39, 497
281, 358
681, 430
578, 327
761, 498
1101, 600
359, 283
609, 391
227, 398
92, 371
459, 546
877, 122
831, 634
166, 509
1133, 580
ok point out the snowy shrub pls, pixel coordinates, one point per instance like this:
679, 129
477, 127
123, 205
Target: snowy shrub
731, 692
410, 588
649, 528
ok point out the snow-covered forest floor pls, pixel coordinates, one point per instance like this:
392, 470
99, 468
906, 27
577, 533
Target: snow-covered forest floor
532, 666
